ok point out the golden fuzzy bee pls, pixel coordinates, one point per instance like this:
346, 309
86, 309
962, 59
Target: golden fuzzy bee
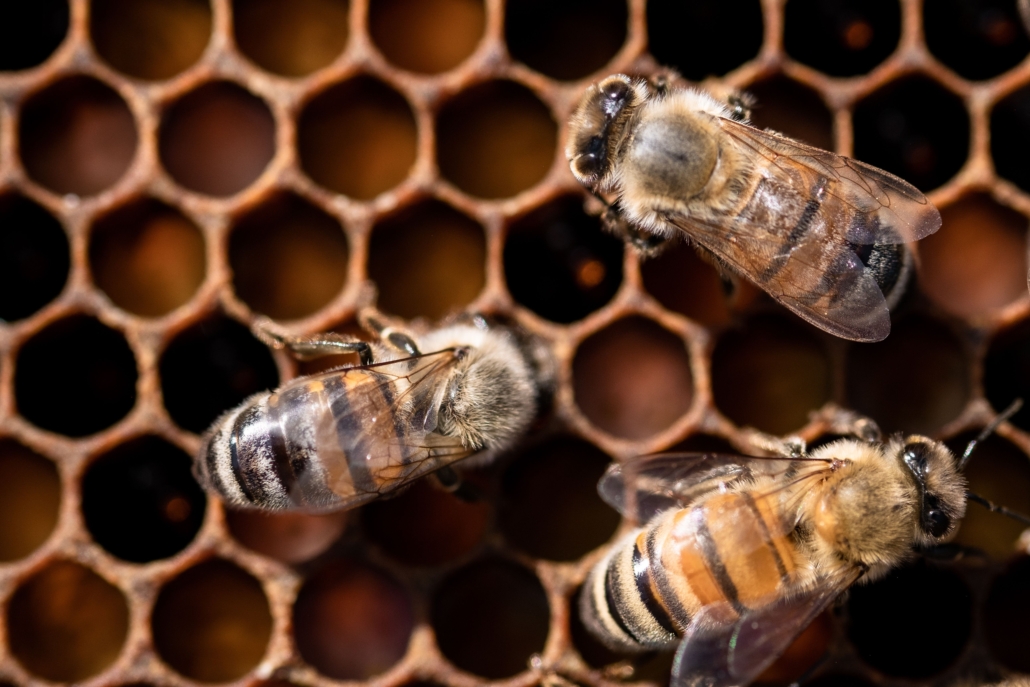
417, 403
740, 554
822, 234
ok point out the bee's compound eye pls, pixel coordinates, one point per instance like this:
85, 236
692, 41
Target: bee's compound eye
936, 523
616, 92
590, 163
915, 456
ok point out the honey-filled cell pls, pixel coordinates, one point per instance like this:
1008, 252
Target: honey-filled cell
30, 496
426, 36
150, 39
30, 32
291, 37
288, 537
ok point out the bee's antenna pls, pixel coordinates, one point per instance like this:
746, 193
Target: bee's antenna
988, 431
997, 509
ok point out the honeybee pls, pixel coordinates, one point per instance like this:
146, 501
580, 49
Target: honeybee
740, 554
822, 234
416, 403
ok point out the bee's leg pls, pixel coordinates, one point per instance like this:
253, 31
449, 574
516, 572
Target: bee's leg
740, 106
789, 447
389, 333
646, 243
315, 345
448, 479
849, 423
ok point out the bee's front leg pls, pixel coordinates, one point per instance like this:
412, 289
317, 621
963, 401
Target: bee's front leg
312, 346
646, 243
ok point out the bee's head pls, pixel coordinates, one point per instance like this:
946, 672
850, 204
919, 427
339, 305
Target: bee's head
940, 484
596, 125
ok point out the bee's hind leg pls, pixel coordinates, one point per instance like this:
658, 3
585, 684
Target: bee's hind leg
849, 423
313, 346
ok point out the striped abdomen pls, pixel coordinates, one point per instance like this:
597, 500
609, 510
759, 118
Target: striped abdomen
727, 550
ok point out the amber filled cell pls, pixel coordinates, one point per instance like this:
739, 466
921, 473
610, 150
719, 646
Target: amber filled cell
34, 257
976, 39
291, 37
684, 283
357, 138
490, 617
427, 260
704, 37
495, 139
632, 378
352, 621
792, 109
842, 38
147, 257
426, 36
1005, 613
217, 139
287, 537
1007, 372
66, 623
770, 374
76, 136
565, 40
31, 32
802, 654
288, 257
212, 623
152, 39
30, 496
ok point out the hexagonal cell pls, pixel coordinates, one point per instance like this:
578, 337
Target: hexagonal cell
31, 32
102, 390
704, 37
1010, 137
893, 131
34, 257
152, 39
490, 617
977, 261
916, 380
357, 138
685, 283
210, 368
147, 257
559, 264
288, 537
999, 472
217, 139
1005, 613
76, 136
426, 525
770, 373
140, 501
550, 507
288, 257
931, 612
291, 37
30, 498
212, 623
565, 40
1007, 371
633, 379
66, 623
352, 621
841, 37
793, 109
495, 139
977, 39
426, 36
427, 260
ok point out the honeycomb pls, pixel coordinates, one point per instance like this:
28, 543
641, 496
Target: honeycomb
172, 169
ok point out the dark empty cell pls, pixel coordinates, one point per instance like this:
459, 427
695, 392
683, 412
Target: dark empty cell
559, 264
704, 37
33, 257
217, 139
427, 525
150, 39
792, 109
1007, 372
351, 621
211, 368
551, 508
357, 138
287, 537
1010, 137
140, 501
565, 40
490, 617
632, 378
427, 260
495, 140
30, 497
999, 472
916, 380
212, 623
66, 623
1005, 613
915, 129
147, 257
929, 616
30, 32
288, 258
76, 136
684, 283
976, 262
841, 37
839, 680
770, 374
75, 377
977, 38
426, 36
290, 37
